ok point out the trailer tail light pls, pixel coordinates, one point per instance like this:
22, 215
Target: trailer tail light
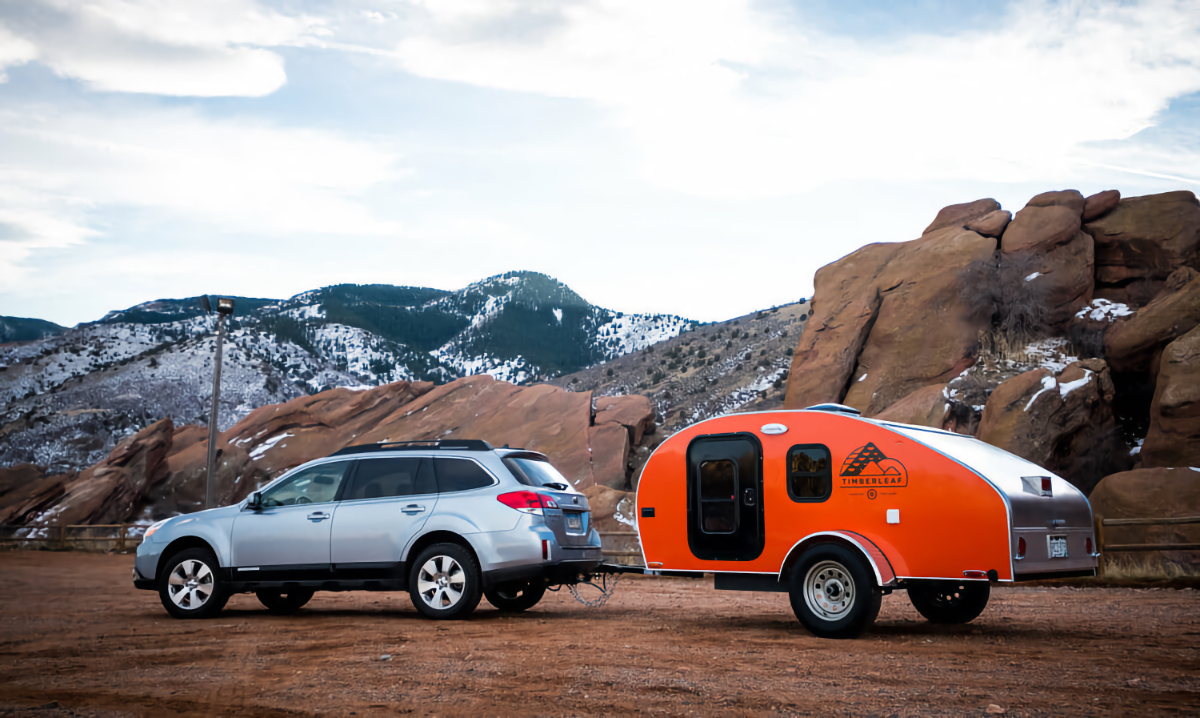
527, 502
1088, 546
1020, 549
975, 574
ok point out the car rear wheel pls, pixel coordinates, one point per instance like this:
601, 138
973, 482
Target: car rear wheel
950, 601
283, 603
191, 585
515, 596
445, 582
833, 593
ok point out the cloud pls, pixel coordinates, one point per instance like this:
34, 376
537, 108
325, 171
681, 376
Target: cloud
729, 100
200, 49
62, 168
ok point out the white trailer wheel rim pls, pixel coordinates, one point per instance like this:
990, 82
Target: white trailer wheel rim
829, 590
441, 583
190, 584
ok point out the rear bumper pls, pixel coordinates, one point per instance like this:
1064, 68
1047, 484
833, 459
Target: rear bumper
570, 563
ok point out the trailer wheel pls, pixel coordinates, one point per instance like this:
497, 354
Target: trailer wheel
950, 601
516, 596
832, 592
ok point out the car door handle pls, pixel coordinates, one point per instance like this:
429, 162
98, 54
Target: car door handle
318, 516
413, 509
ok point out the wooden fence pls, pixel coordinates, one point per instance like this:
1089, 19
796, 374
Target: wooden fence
1106, 548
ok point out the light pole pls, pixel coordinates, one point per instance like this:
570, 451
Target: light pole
224, 309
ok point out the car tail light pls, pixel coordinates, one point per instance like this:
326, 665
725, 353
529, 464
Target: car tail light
1021, 548
528, 502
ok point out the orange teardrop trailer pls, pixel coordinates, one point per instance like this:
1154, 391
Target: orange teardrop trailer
838, 510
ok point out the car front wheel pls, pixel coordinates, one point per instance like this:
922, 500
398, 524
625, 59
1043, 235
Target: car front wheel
445, 582
191, 586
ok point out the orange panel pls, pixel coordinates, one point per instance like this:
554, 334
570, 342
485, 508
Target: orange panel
950, 519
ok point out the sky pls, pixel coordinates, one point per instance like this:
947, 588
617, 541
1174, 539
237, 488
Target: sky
679, 156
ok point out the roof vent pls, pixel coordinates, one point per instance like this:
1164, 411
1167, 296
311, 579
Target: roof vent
839, 408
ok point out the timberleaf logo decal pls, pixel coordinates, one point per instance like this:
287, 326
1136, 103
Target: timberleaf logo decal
867, 466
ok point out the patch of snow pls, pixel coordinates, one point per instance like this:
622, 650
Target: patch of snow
264, 447
1137, 447
557, 315
864, 376
1048, 383
1101, 310
1051, 354
1064, 389
1033, 276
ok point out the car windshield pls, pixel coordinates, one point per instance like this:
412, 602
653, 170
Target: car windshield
535, 472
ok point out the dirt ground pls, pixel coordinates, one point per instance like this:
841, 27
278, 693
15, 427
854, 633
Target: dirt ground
78, 639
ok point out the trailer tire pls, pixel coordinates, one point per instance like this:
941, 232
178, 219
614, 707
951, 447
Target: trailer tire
949, 601
516, 596
833, 593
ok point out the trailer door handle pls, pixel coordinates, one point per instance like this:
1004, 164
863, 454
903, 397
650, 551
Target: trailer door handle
748, 497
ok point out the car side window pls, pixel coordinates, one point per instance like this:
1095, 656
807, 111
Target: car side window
315, 485
809, 473
384, 478
460, 475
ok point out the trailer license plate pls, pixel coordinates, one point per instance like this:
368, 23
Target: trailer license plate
1058, 547
575, 522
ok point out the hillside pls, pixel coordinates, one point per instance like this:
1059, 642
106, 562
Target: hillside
66, 399
19, 329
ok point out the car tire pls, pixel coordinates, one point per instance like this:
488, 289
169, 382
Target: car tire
445, 582
833, 592
949, 601
190, 584
284, 603
516, 596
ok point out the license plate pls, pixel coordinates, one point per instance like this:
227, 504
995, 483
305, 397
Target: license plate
1058, 547
575, 522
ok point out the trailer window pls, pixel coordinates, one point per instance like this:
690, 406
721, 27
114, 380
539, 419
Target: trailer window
718, 497
810, 477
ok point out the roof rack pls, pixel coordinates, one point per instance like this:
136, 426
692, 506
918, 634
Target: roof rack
461, 444
838, 408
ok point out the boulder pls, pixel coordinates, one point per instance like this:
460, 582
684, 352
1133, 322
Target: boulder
614, 512
1054, 258
20, 483
1174, 435
1141, 241
1133, 344
991, 224
958, 215
1100, 204
635, 413
1145, 494
1063, 422
927, 406
608, 446
107, 492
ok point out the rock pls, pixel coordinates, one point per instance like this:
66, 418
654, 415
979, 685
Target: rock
107, 492
991, 224
927, 406
1041, 228
1055, 259
1174, 436
19, 484
958, 215
1062, 422
1069, 198
635, 413
1141, 241
1100, 204
609, 444
1150, 493
613, 512
1133, 344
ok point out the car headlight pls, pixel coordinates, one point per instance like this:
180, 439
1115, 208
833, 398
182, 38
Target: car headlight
154, 527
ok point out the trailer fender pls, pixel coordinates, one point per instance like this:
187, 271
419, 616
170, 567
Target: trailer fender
884, 575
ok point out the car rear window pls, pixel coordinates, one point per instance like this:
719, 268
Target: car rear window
460, 475
534, 472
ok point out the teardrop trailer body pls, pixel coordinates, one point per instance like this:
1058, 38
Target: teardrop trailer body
838, 510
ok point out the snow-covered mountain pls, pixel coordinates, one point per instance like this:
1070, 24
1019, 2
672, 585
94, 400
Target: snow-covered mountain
66, 399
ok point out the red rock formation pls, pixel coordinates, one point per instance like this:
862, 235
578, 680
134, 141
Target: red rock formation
1056, 257
1141, 241
1133, 344
1174, 436
1063, 422
927, 406
958, 216
991, 224
1100, 204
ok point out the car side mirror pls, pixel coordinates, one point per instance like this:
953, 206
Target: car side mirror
255, 502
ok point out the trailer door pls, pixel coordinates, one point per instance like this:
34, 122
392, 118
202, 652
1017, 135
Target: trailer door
725, 514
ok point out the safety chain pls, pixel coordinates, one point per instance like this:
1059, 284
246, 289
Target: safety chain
606, 587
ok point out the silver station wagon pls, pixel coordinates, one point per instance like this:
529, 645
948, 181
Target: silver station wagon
448, 521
